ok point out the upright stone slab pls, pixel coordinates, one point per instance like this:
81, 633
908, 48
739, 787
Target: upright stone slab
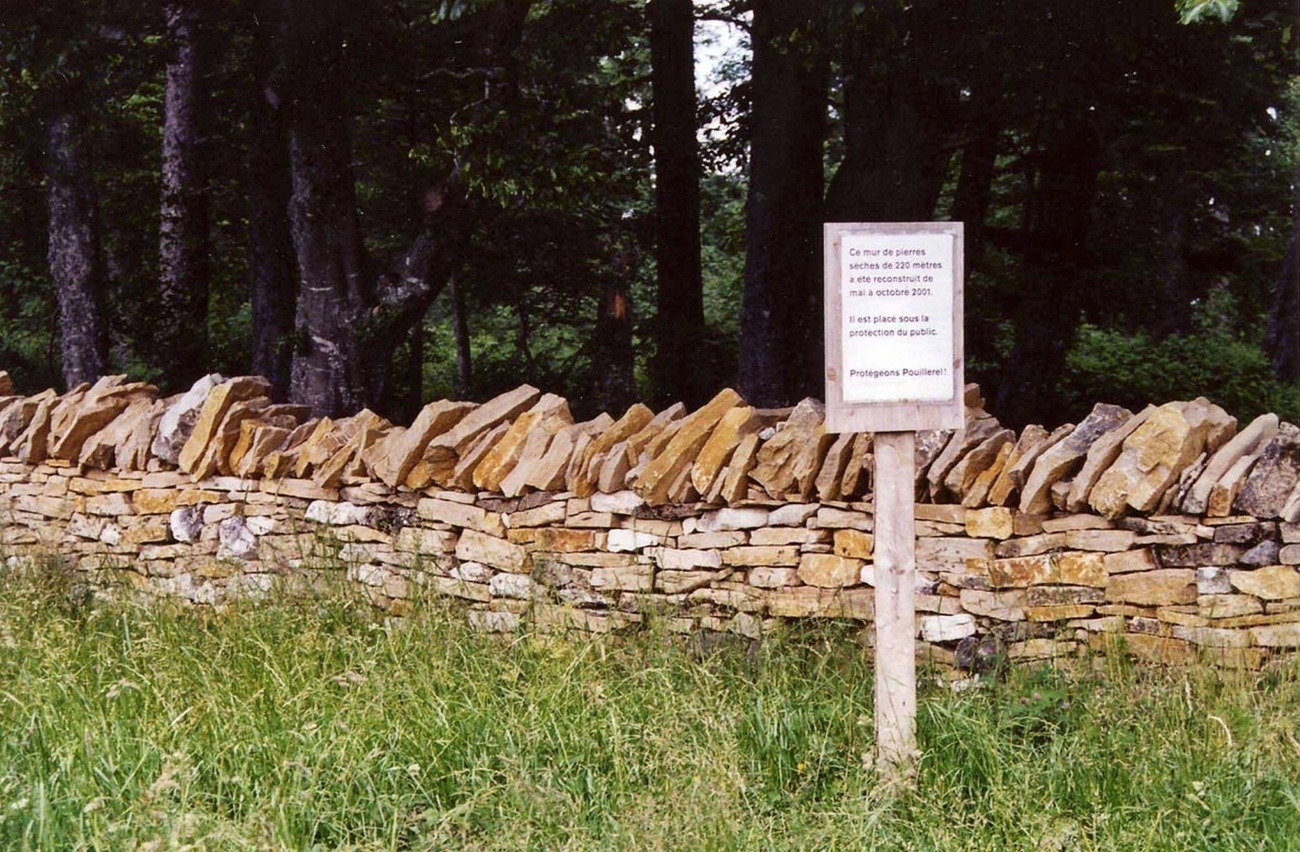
1266, 490
1063, 458
681, 451
714, 455
1155, 454
457, 440
1247, 441
393, 458
213, 411
1101, 455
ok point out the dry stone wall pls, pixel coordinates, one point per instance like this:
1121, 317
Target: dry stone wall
1168, 532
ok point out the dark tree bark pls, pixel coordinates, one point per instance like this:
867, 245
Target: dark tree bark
896, 115
460, 334
349, 321
75, 263
614, 357
1283, 338
780, 332
272, 272
180, 333
1058, 216
679, 322
328, 369
970, 204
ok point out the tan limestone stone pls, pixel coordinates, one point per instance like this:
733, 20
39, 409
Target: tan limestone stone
1155, 454
681, 452
828, 571
636, 418
978, 493
1063, 458
995, 522
830, 480
730, 488
505, 407
1071, 569
809, 601
1130, 561
857, 473
640, 442
1246, 443
1032, 442
213, 411
1107, 541
474, 546
1101, 456
979, 427
1276, 635
1161, 587
1061, 612
760, 555
1006, 605
1031, 545
1271, 583
722, 442
1228, 606
796, 450
392, 458
854, 544
961, 477
549, 471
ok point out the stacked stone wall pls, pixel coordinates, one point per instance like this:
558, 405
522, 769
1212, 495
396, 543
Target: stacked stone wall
1170, 532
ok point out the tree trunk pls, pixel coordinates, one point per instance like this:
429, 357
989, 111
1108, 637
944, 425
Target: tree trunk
272, 273
970, 204
1059, 216
75, 263
180, 334
614, 356
460, 333
679, 321
336, 292
348, 321
1283, 339
780, 332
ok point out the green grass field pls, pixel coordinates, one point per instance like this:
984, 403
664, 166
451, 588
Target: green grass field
313, 725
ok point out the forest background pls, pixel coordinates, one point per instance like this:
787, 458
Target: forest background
379, 202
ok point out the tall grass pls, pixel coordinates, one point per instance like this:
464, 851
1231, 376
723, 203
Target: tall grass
316, 725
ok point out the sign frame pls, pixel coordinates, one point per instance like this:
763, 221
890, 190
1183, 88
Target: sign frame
897, 415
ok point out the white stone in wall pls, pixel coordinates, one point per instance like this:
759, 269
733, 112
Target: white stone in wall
947, 628
338, 514
792, 514
111, 535
368, 575
471, 572
215, 513
618, 503
518, 586
260, 524
236, 540
733, 519
186, 523
630, 541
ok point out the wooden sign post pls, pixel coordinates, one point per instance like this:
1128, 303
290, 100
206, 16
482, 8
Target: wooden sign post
894, 367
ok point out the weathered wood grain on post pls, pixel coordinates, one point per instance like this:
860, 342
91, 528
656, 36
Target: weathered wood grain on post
895, 559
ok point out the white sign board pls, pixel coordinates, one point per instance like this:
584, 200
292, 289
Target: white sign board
893, 326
